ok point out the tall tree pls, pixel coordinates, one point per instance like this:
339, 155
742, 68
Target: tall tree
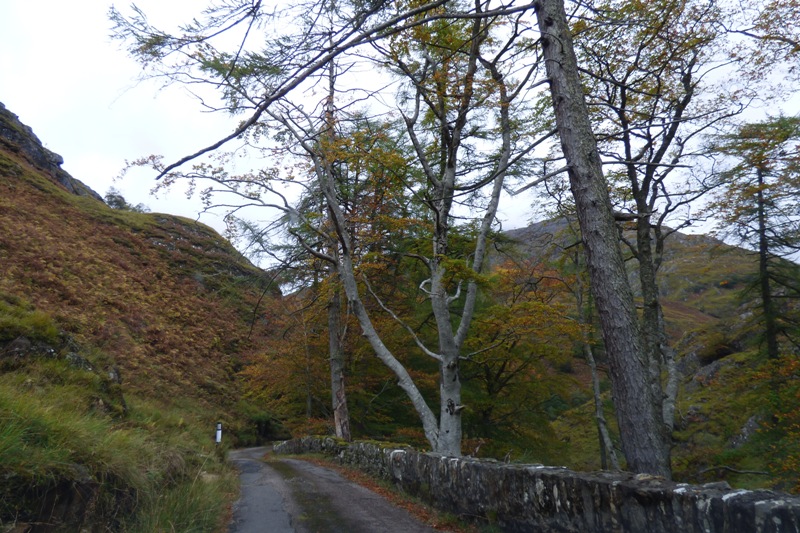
453, 72
644, 441
651, 93
461, 86
757, 205
252, 80
341, 417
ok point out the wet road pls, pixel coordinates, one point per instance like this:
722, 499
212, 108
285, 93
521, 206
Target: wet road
292, 496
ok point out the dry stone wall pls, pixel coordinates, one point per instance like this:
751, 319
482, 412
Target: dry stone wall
525, 498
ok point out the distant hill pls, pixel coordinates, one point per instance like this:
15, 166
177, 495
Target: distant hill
699, 281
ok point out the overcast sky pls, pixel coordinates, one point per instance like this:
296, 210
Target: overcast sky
64, 77
79, 91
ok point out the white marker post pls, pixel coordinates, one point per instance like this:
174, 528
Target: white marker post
219, 433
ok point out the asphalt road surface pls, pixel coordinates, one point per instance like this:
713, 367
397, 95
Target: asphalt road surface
293, 496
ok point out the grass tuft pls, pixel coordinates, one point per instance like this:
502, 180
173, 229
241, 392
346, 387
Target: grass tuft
154, 470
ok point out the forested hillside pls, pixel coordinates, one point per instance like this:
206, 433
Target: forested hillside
529, 397
375, 145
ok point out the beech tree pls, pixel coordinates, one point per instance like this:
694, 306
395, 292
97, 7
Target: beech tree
362, 164
251, 79
449, 69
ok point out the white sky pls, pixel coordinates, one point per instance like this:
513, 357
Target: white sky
63, 76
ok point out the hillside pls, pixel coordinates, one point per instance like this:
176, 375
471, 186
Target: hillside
126, 336
133, 323
700, 280
737, 414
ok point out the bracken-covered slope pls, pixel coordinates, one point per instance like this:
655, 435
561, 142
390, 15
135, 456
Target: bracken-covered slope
167, 299
121, 336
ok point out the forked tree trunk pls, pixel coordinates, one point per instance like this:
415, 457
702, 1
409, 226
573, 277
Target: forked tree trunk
640, 422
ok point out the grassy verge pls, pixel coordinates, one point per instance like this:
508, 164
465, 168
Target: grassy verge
69, 458
200, 504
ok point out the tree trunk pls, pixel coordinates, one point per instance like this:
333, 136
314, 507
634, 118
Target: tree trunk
607, 452
671, 387
450, 409
341, 417
449, 379
429, 423
639, 422
661, 358
348, 278
768, 307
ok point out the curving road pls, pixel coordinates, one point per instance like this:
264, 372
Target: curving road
293, 496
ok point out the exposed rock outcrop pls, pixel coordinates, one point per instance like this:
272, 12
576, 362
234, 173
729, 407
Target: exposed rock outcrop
19, 138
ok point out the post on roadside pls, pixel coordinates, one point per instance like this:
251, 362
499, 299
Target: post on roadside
218, 439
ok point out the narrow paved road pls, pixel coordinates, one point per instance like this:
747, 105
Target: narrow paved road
293, 496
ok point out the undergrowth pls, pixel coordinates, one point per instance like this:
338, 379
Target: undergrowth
65, 455
18, 318
737, 421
